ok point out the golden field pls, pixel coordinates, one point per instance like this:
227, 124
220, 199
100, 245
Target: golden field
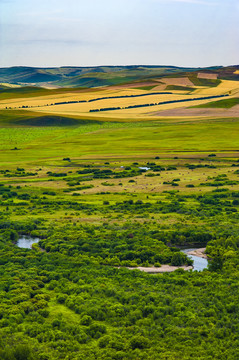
46, 103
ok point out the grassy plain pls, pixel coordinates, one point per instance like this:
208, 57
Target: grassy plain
115, 146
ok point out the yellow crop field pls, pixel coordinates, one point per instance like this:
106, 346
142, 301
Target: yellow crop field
134, 113
225, 87
77, 95
66, 103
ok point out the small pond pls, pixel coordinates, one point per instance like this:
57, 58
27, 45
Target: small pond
25, 242
144, 168
199, 263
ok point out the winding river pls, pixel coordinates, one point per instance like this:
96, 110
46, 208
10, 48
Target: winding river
199, 263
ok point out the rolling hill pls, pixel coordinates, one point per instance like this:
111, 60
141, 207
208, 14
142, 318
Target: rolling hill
103, 75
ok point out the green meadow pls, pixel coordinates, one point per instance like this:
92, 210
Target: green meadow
109, 139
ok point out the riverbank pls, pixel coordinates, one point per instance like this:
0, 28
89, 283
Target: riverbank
198, 252
198, 256
161, 269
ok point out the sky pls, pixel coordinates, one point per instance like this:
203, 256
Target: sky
50, 33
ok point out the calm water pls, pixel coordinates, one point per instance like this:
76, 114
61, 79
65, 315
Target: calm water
144, 168
198, 263
25, 242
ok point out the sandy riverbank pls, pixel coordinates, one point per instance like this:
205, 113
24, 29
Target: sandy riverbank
198, 252
161, 269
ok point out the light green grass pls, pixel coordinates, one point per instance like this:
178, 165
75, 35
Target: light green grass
117, 139
62, 312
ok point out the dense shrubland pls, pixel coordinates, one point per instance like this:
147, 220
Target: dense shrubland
63, 303
72, 297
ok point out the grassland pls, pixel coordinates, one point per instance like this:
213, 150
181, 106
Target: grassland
177, 143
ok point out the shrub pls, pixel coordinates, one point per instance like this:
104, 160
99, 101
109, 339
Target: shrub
104, 341
139, 342
61, 298
86, 320
177, 259
96, 330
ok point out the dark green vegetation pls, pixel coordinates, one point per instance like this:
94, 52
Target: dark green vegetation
204, 82
102, 197
177, 87
68, 300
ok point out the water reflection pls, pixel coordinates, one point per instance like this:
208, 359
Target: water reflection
25, 242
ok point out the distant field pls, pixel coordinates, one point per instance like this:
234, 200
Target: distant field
181, 88
80, 102
224, 104
199, 81
86, 76
225, 87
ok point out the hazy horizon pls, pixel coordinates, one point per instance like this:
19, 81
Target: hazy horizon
183, 33
118, 65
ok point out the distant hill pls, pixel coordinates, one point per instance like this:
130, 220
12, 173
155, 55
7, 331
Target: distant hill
103, 75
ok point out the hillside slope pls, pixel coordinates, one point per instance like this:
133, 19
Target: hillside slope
102, 75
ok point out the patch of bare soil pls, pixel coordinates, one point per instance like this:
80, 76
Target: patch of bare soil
160, 87
180, 81
207, 76
178, 112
